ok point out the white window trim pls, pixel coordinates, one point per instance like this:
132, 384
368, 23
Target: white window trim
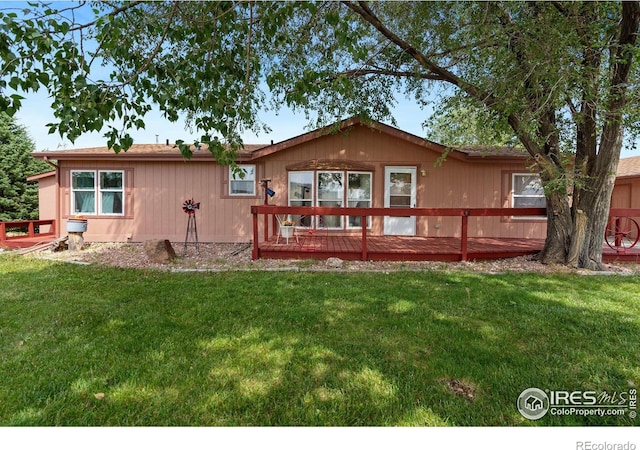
314, 201
97, 191
340, 200
74, 190
514, 195
232, 178
100, 190
370, 199
311, 200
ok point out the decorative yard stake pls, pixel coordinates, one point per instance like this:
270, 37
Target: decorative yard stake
189, 207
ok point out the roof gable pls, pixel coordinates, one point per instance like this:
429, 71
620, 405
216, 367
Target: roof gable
461, 153
343, 126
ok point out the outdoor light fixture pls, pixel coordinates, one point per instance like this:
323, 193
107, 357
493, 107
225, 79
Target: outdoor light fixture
423, 172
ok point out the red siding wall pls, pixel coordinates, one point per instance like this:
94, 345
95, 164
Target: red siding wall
453, 184
626, 194
155, 190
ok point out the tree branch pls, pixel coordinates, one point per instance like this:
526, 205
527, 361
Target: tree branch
627, 42
355, 73
112, 13
155, 51
441, 74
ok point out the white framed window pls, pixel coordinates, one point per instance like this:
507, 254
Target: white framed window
97, 192
331, 188
301, 194
83, 192
330, 194
242, 181
527, 192
358, 195
111, 193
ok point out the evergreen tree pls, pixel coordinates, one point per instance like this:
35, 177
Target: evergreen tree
18, 198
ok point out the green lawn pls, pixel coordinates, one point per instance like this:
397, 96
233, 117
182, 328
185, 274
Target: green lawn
83, 345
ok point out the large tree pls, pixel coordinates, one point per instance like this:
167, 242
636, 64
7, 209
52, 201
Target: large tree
18, 197
562, 76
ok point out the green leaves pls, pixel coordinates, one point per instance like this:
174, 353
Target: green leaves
210, 61
18, 198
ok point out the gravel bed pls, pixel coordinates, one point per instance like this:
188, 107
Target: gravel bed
224, 257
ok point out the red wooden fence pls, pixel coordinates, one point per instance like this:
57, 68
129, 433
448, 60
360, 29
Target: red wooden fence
30, 225
364, 213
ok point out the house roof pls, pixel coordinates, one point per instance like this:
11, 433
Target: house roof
163, 152
463, 153
41, 176
629, 167
137, 152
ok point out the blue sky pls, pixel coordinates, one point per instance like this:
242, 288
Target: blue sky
36, 113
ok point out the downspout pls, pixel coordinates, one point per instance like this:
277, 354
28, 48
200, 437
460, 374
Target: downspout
57, 169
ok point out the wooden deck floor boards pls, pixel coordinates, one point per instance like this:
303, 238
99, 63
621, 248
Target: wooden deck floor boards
398, 248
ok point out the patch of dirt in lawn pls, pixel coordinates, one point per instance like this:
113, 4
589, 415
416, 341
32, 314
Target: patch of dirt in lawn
462, 389
221, 257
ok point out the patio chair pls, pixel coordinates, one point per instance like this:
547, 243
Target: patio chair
315, 237
286, 230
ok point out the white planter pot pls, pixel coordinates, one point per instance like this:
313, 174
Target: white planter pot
76, 226
286, 232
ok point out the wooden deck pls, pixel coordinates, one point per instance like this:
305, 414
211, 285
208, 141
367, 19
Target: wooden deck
26, 242
390, 248
26, 233
396, 248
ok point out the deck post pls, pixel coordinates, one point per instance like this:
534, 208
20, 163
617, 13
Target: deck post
618, 234
255, 252
363, 221
31, 229
266, 227
464, 237
3, 232
274, 225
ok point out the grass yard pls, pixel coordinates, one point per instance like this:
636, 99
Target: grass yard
83, 345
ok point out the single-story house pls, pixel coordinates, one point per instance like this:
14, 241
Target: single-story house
138, 195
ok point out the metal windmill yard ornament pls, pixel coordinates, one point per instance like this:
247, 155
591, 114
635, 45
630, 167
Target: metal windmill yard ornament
189, 207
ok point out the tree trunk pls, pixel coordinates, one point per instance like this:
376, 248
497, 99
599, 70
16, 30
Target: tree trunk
559, 230
578, 240
580, 221
575, 235
596, 205
75, 242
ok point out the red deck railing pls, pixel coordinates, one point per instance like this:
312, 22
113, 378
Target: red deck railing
26, 229
364, 213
